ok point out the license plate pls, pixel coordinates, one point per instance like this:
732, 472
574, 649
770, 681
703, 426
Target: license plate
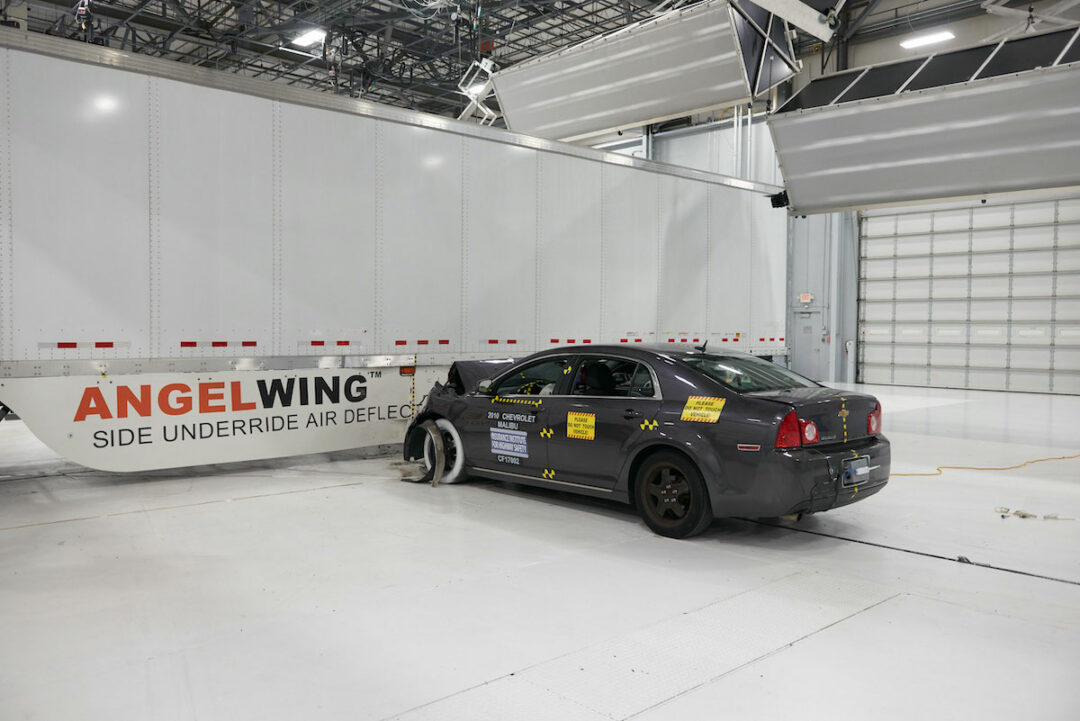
856, 471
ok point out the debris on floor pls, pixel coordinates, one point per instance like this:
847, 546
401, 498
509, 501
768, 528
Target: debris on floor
1005, 513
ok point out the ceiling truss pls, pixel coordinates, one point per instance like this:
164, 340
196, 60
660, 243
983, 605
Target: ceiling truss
408, 53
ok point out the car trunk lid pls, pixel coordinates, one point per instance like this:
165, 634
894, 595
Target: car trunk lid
840, 416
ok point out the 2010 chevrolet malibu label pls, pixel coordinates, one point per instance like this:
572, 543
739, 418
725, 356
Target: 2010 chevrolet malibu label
685, 436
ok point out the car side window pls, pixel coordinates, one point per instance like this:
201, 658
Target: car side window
537, 379
642, 384
604, 377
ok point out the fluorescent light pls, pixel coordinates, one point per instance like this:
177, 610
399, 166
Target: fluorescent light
920, 40
310, 38
105, 103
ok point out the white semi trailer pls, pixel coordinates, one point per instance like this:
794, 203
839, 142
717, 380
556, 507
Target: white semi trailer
197, 267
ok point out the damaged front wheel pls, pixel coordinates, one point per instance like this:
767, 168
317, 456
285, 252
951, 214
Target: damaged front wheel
453, 468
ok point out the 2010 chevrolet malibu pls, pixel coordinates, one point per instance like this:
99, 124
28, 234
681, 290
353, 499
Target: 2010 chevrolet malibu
685, 436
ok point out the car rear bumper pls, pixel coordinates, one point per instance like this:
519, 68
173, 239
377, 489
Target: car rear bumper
811, 480
834, 477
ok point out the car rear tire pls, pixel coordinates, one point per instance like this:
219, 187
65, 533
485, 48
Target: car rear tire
454, 455
671, 496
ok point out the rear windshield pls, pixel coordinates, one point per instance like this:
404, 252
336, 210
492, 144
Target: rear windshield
747, 374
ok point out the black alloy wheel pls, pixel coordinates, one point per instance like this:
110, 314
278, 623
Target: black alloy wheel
671, 496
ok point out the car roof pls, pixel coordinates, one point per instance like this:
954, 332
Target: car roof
637, 350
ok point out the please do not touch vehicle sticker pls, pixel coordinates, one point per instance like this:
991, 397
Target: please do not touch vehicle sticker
581, 426
702, 409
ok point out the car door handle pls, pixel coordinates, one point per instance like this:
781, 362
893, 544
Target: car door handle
631, 413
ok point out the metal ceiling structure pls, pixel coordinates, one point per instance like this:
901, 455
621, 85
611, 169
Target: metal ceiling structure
408, 53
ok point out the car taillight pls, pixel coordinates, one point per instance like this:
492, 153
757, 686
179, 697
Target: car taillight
809, 431
873, 421
789, 435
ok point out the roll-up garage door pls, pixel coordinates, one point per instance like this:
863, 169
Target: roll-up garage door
972, 295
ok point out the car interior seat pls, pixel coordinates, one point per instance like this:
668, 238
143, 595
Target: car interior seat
598, 380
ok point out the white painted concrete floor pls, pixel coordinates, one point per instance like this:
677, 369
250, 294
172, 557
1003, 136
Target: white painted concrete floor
329, 589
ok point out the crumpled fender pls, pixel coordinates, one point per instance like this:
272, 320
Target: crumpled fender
472, 372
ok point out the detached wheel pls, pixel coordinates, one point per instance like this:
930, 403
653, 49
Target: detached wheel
671, 496
453, 455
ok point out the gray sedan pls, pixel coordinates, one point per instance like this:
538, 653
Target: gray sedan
684, 435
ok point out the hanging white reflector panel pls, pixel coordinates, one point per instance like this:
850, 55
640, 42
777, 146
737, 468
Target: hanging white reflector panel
710, 55
990, 119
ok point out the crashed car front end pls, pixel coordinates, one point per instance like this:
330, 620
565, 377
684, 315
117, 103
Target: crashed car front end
447, 400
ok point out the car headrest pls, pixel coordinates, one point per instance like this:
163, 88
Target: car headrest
598, 378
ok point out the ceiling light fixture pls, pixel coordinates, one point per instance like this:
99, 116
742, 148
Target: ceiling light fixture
105, 103
310, 38
920, 40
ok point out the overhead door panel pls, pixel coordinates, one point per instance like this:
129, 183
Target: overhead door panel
974, 295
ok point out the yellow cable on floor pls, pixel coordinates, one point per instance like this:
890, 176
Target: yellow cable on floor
940, 469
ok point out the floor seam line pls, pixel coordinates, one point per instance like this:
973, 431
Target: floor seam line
926, 554
763, 656
577, 703
447, 696
578, 650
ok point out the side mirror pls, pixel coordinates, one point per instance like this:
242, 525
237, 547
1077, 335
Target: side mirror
484, 388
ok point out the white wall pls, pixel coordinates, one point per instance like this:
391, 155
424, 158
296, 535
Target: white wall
823, 261
740, 272
151, 214
745, 151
